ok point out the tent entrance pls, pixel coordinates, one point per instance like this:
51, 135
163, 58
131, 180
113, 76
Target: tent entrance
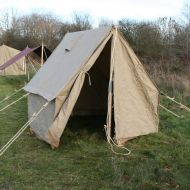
93, 98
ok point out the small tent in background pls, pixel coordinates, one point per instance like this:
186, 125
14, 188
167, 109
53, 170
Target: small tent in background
36, 58
18, 68
93, 72
43, 53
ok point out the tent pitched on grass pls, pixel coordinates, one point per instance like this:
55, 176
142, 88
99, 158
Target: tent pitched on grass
94, 72
18, 68
28, 57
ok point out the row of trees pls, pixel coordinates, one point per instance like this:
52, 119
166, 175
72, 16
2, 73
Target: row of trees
163, 45
31, 30
162, 38
164, 48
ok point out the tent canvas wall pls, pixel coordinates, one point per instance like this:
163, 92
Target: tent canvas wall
119, 87
18, 68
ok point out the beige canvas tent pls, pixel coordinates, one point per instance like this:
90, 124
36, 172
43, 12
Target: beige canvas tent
18, 68
94, 72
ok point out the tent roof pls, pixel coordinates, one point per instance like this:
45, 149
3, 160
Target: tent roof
66, 60
8, 48
8, 52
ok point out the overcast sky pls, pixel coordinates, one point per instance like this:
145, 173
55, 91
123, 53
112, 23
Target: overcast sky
111, 9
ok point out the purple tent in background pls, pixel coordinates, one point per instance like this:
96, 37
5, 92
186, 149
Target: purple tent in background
24, 53
20, 55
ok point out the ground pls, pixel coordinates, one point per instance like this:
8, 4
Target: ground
84, 159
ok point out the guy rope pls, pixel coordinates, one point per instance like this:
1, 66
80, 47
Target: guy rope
166, 109
8, 97
22, 129
14, 102
178, 103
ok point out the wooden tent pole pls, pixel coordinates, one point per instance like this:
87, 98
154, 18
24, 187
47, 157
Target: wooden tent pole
42, 54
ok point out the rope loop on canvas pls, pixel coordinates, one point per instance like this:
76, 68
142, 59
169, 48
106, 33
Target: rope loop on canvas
11, 95
89, 79
171, 112
112, 144
22, 129
14, 102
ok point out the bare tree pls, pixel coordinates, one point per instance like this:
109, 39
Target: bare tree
40, 27
105, 22
80, 21
186, 20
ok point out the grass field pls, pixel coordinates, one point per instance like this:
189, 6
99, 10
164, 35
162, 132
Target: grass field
84, 159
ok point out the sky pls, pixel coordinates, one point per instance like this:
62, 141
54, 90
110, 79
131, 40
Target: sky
98, 9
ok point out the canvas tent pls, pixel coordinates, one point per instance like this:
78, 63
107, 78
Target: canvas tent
31, 57
38, 56
42, 52
18, 68
119, 87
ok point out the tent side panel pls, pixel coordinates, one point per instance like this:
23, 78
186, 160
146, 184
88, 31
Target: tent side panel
135, 111
45, 119
149, 88
17, 68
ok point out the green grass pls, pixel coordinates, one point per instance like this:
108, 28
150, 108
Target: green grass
84, 159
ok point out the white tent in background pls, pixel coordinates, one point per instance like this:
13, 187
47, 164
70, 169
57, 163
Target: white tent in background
119, 87
18, 68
